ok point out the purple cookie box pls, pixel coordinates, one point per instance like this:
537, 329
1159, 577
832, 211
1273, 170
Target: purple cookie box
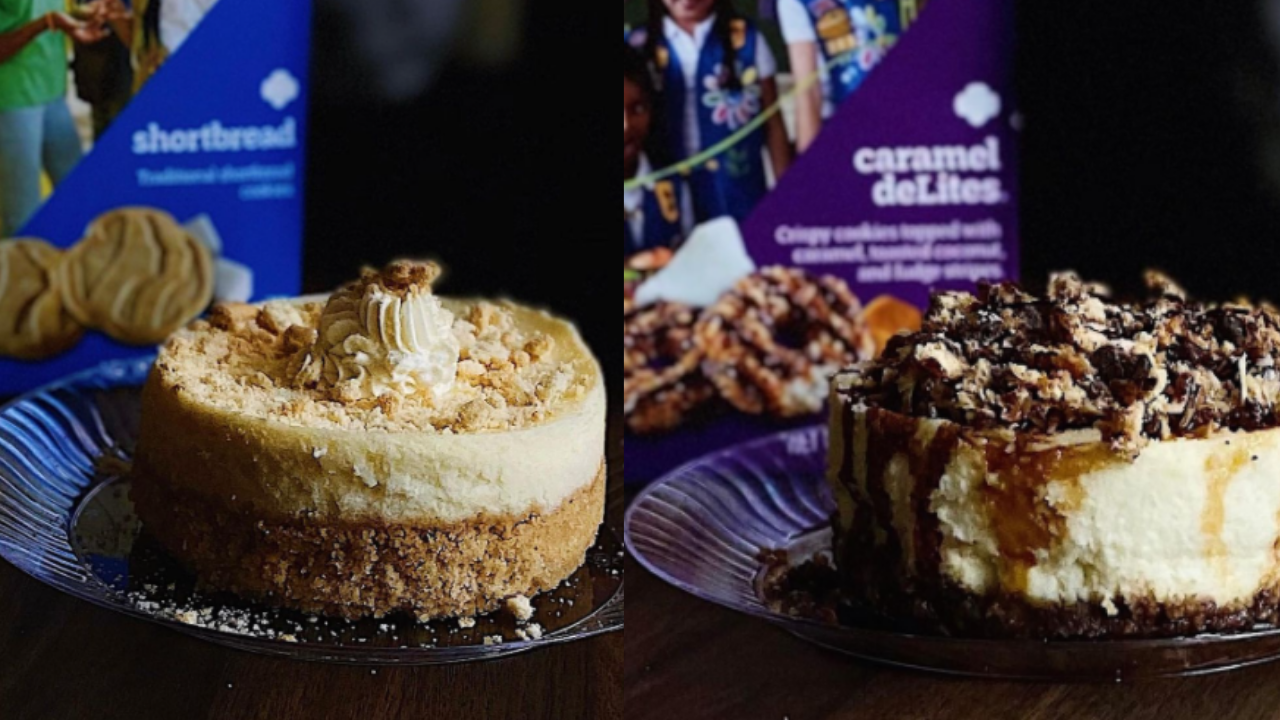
926, 148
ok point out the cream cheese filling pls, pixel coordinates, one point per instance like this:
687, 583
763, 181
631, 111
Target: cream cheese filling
1187, 520
289, 470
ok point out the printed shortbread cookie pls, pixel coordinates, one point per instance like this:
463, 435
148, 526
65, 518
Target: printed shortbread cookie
137, 275
35, 322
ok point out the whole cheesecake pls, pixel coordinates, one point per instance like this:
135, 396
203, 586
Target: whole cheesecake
382, 450
1063, 466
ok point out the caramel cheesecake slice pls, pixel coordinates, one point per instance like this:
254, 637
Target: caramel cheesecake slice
1063, 466
382, 450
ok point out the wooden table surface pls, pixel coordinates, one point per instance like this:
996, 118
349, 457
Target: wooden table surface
690, 659
64, 658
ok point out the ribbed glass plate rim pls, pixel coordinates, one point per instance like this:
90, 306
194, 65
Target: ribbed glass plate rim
659, 509
47, 470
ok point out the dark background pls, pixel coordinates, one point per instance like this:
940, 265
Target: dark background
495, 170
1152, 138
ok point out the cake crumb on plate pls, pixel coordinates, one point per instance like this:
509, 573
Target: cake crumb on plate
532, 632
520, 608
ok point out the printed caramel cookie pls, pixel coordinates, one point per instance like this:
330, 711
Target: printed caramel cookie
34, 323
137, 276
774, 340
886, 316
663, 385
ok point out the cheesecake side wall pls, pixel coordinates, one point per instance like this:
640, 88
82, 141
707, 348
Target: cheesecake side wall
1154, 546
280, 471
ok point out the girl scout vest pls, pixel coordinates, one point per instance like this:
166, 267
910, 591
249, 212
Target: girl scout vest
734, 181
854, 35
659, 219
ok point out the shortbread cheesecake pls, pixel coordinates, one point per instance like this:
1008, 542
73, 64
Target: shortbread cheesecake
1064, 466
381, 450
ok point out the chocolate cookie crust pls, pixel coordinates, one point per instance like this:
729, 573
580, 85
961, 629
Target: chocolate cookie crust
814, 589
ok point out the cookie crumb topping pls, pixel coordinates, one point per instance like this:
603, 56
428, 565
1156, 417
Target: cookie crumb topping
507, 367
1166, 367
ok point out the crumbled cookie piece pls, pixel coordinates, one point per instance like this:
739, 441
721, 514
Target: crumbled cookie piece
232, 316
474, 414
277, 316
533, 631
484, 316
402, 275
539, 346
389, 404
1166, 367
520, 608
298, 337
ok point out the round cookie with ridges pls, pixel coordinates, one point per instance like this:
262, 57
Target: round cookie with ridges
773, 342
663, 385
34, 324
137, 276
277, 469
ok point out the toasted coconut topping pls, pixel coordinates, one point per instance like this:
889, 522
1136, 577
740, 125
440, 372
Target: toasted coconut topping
1165, 367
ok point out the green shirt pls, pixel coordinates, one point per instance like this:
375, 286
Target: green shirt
38, 73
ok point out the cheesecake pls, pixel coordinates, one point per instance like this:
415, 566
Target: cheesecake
1064, 466
380, 450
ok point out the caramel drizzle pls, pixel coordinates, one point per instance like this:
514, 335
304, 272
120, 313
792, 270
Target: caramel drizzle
1221, 467
1021, 516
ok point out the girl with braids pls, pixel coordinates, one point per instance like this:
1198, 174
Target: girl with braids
717, 75
653, 216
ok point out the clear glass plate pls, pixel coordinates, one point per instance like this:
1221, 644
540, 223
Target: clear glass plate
66, 520
703, 527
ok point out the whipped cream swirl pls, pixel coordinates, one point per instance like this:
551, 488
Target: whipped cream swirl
387, 340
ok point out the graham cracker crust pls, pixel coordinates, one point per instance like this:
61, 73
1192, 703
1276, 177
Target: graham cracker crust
359, 569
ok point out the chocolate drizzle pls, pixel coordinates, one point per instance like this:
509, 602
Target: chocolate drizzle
1004, 359
927, 468
1037, 393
